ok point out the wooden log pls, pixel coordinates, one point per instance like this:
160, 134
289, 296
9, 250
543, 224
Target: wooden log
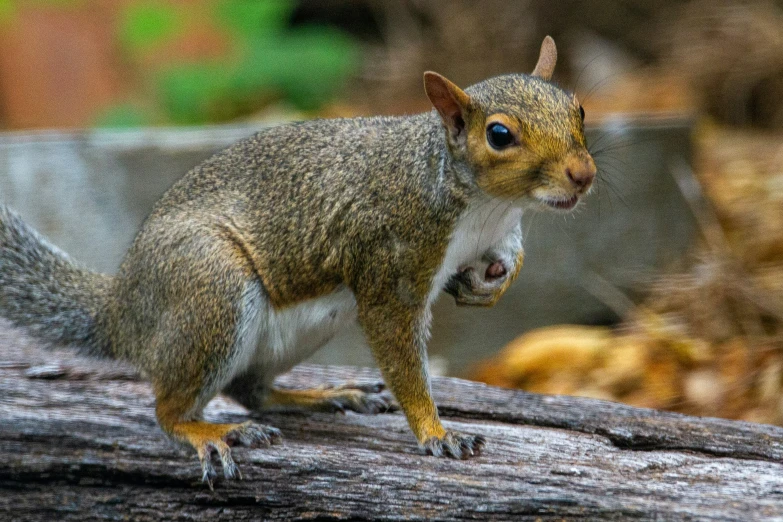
79, 441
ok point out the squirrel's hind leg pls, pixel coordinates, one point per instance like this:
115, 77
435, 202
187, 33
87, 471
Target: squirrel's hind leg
209, 355
205, 333
252, 392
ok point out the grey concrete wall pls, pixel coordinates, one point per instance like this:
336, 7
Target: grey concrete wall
89, 192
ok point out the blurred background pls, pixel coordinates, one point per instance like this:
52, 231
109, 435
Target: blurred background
664, 290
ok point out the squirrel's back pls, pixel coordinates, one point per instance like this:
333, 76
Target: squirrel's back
297, 198
334, 154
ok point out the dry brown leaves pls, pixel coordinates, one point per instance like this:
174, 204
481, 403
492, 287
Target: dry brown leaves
708, 341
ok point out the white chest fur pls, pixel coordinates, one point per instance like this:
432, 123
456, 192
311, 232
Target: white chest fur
481, 226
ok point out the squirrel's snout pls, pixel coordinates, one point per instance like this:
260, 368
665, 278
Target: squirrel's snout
581, 173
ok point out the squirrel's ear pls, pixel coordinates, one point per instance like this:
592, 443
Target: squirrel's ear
450, 101
546, 59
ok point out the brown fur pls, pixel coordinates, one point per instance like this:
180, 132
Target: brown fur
305, 210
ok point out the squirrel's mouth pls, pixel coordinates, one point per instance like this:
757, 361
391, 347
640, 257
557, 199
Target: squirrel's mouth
562, 203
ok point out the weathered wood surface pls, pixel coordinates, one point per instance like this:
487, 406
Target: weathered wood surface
78, 441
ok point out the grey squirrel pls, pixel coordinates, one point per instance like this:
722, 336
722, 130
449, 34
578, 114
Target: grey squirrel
255, 258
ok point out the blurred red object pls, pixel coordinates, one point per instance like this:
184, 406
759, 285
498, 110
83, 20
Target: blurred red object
57, 65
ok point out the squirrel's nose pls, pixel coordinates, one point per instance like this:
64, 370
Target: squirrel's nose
581, 173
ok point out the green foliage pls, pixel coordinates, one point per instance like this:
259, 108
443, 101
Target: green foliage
267, 61
253, 17
307, 64
124, 116
146, 24
196, 93
303, 66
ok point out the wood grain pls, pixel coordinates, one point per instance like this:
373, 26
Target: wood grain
78, 441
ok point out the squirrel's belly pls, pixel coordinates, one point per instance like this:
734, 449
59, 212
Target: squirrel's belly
276, 340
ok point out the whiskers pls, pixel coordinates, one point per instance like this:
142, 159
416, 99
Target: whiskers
612, 169
610, 176
610, 146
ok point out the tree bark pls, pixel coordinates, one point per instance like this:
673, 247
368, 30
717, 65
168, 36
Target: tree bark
79, 441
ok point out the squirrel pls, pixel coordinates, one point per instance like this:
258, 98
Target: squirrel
258, 256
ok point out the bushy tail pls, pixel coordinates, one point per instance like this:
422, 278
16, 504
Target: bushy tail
43, 289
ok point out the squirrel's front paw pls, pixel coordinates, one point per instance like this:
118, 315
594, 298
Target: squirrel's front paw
454, 444
470, 287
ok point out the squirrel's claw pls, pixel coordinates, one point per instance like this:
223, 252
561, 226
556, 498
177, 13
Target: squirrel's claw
230, 469
254, 435
455, 445
208, 473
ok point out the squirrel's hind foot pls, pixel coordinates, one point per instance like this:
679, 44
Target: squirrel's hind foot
209, 438
360, 398
455, 445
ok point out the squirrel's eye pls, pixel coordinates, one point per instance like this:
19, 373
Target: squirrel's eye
499, 136
582, 113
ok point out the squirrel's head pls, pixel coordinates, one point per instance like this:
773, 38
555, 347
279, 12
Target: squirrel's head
521, 136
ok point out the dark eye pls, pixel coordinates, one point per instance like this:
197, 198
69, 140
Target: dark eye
582, 113
499, 136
